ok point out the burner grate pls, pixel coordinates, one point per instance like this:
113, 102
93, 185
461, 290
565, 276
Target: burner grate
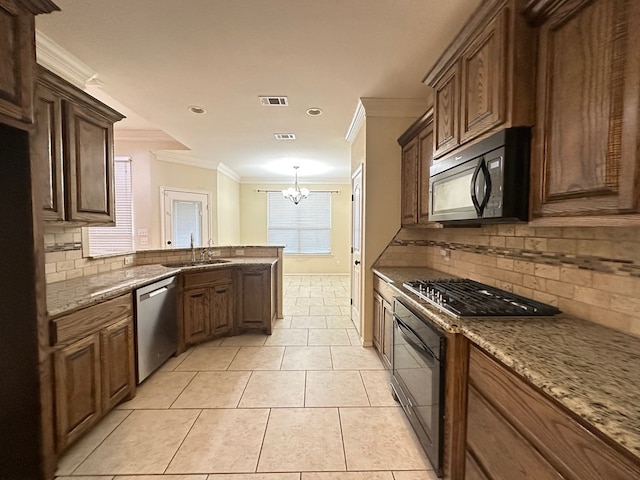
464, 297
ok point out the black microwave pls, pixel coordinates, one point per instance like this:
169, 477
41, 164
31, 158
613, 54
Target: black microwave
487, 182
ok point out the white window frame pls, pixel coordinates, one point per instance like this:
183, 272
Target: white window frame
278, 195
88, 232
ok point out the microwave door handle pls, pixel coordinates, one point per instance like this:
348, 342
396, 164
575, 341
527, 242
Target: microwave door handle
480, 206
474, 197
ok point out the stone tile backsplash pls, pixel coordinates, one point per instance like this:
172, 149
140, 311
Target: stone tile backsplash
590, 273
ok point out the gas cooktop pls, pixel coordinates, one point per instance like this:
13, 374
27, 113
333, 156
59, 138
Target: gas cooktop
462, 297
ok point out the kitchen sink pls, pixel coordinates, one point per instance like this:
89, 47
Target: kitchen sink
197, 263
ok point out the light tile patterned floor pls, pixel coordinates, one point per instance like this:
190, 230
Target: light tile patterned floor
306, 403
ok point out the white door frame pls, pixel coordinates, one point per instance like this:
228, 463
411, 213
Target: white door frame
356, 255
206, 230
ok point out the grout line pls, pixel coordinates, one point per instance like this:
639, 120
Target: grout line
244, 389
264, 436
344, 450
182, 442
195, 374
365, 388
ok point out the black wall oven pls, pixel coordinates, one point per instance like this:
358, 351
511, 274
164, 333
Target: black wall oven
418, 380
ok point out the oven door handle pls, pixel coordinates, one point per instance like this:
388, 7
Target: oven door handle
412, 337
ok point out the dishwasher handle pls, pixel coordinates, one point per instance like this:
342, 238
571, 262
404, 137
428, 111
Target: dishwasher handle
153, 293
157, 292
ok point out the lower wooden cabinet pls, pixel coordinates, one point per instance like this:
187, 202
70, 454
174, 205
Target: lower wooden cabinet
516, 431
383, 321
93, 370
118, 361
78, 389
208, 305
257, 298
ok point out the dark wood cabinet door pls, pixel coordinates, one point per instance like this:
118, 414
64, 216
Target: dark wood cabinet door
377, 321
387, 333
482, 86
78, 388
46, 149
197, 326
255, 298
222, 309
447, 112
586, 148
425, 144
118, 364
89, 164
17, 61
409, 183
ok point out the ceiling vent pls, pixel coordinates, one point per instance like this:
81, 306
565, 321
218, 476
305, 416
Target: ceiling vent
285, 136
274, 101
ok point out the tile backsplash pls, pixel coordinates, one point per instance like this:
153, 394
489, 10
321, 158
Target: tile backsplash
590, 273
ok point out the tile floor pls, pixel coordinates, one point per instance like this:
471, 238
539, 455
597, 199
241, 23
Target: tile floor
306, 403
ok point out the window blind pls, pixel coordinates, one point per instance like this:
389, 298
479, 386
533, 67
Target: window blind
118, 239
304, 228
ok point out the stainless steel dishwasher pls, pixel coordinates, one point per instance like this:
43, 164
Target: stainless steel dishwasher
156, 326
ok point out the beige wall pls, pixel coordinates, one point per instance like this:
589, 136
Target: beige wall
168, 174
381, 188
253, 228
141, 160
228, 210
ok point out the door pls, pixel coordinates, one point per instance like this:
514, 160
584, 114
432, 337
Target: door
356, 247
186, 212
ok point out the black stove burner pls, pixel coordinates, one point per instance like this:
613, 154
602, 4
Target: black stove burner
467, 298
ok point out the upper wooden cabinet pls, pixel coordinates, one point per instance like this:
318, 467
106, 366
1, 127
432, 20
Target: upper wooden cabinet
17, 59
73, 143
417, 154
585, 161
485, 78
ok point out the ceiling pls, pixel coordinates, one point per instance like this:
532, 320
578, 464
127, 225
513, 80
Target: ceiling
158, 57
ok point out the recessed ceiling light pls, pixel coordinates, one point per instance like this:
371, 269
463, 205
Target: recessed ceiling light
197, 110
314, 111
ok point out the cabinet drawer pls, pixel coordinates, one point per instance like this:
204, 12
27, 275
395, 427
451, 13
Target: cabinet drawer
488, 433
206, 279
575, 451
67, 328
383, 289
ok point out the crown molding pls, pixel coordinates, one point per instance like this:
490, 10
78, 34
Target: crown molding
228, 172
58, 60
265, 182
172, 156
384, 107
356, 122
138, 135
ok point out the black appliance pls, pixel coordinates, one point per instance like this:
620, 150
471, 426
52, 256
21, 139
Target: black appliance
462, 297
418, 378
487, 182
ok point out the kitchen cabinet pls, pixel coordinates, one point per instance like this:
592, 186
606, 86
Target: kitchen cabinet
257, 298
516, 431
484, 79
383, 320
585, 165
417, 154
73, 144
94, 366
208, 305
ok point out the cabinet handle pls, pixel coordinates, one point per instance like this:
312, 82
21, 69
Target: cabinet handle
357, 262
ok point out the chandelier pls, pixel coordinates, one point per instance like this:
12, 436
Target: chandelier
295, 193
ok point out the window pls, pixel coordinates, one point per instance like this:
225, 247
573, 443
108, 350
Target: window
118, 239
304, 228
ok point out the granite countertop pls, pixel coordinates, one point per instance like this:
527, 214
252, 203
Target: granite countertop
82, 291
592, 370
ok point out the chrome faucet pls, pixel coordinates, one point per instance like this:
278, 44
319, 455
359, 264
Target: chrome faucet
206, 251
193, 250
